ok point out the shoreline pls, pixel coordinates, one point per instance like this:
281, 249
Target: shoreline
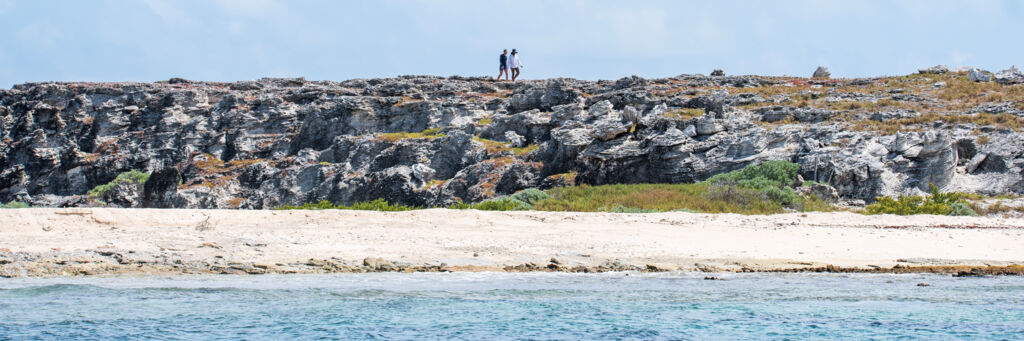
49, 242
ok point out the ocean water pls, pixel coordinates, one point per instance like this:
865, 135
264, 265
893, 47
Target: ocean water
498, 306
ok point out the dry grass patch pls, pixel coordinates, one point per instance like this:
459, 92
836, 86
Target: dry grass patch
434, 183
431, 133
497, 147
1007, 121
684, 113
652, 197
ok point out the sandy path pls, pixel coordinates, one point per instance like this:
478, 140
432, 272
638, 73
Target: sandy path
453, 237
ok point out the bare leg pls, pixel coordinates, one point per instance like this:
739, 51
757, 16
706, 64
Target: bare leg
500, 72
515, 73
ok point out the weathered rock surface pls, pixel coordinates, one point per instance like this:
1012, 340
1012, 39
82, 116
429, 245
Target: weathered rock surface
423, 140
1013, 75
978, 75
938, 69
821, 72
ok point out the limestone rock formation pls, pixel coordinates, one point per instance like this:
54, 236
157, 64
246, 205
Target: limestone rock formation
937, 70
821, 72
978, 75
423, 140
1013, 75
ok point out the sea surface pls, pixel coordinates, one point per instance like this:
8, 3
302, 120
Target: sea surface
499, 306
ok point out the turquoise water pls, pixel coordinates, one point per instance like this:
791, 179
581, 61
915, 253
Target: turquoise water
496, 306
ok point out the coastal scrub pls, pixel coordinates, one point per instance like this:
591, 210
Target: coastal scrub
937, 203
130, 177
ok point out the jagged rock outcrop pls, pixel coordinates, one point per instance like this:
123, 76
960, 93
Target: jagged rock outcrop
978, 75
938, 70
821, 72
1013, 75
422, 140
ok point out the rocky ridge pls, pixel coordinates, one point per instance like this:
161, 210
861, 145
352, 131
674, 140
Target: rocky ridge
432, 141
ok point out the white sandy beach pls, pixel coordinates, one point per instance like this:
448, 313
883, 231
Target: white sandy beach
682, 241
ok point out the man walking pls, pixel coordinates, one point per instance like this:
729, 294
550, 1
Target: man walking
503, 65
514, 64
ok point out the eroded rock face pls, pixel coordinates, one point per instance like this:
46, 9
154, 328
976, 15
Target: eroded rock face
978, 75
938, 70
423, 140
821, 72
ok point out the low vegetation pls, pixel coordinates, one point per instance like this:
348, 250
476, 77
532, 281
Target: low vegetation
431, 133
938, 203
376, 205
760, 189
1003, 120
496, 147
129, 177
685, 113
14, 204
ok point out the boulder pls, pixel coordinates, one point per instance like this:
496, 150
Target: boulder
1013, 75
934, 70
820, 191
122, 194
378, 264
160, 188
978, 75
821, 72
514, 139
717, 73
708, 126
610, 127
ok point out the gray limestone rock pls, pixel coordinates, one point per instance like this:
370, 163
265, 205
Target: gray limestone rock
1013, 75
977, 75
821, 72
425, 140
936, 70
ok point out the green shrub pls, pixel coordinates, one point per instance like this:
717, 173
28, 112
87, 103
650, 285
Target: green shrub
530, 196
459, 206
380, 205
936, 203
784, 196
962, 209
502, 204
14, 204
129, 177
774, 173
376, 205
902, 205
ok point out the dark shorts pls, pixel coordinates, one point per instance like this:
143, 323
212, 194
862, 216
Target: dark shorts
502, 67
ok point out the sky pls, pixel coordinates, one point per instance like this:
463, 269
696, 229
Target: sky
229, 40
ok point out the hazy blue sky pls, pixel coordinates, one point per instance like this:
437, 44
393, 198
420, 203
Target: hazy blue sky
227, 40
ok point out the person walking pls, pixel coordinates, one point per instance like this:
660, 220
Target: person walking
514, 64
503, 65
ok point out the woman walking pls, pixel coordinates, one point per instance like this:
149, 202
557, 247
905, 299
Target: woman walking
503, 64
514, 64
